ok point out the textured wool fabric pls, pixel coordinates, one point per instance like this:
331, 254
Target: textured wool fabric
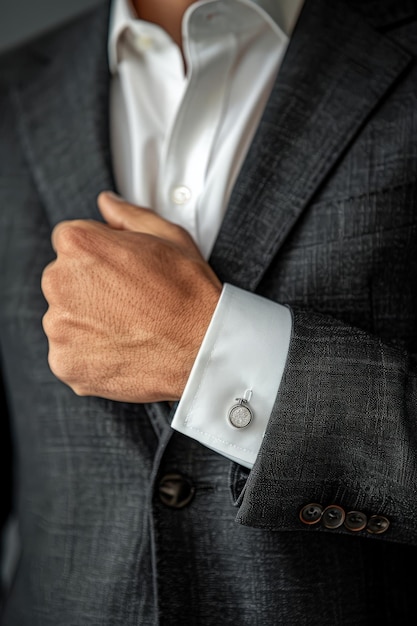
322, 219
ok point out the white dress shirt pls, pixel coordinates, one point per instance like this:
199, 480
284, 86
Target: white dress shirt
178, 142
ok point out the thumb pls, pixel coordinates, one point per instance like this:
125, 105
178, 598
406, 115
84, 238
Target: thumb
119, 214
122, 215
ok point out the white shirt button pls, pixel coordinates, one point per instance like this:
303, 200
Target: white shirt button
181, 194
143, 42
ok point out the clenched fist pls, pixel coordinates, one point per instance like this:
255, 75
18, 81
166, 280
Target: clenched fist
129, 303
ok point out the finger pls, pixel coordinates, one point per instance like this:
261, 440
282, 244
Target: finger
120, 214
56, 234
70, 234
123, 215
46, 279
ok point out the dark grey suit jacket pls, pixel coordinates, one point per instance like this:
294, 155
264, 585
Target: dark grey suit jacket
323, 218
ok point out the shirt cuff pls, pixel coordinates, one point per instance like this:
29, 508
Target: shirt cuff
243, 352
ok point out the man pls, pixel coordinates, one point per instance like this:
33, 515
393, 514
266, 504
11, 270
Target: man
228, 432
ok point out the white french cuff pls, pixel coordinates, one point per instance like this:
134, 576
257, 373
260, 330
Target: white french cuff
241, 362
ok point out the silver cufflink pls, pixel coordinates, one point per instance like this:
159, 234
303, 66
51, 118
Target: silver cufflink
241, 415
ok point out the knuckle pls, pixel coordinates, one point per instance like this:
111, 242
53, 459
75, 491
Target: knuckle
56, 323
49, 281
56, 365
79, 390
70, 236
46, 323
62, 367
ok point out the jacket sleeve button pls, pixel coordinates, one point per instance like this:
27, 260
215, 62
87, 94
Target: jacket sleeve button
355, 521
311, 513
333, 516
377, 524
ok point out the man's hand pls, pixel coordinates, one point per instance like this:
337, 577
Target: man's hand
129, 304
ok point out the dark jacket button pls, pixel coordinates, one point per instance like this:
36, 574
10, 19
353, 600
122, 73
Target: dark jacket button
355, 521
311, 513
175, 490
333, 516
377, 524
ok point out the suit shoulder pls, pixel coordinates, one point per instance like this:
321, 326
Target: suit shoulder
18, 63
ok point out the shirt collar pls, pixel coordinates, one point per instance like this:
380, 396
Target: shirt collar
283, 12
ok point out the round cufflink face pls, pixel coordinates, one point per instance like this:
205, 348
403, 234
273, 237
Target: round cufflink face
240, 415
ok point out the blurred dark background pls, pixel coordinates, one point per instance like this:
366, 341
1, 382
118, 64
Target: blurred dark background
21, 20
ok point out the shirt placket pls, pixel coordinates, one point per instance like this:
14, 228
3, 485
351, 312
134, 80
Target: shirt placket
210, 50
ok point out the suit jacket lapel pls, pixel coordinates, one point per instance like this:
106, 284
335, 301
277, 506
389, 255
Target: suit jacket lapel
63, 114
335, 72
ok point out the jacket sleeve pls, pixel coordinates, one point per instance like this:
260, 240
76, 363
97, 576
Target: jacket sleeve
343, 431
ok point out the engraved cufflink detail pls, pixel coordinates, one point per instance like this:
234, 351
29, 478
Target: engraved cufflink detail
241, 415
